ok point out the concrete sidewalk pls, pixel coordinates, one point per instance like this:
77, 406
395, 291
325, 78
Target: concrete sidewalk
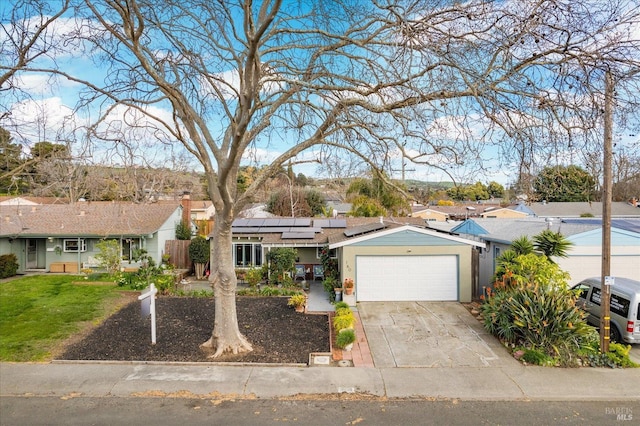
209, 380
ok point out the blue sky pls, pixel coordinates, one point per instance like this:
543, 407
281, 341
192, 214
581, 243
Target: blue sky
49, 115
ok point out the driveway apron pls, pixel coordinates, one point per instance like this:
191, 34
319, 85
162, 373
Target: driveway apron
429, 334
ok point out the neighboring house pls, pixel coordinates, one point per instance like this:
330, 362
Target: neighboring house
63, 237
17, 201
584, 258
200, 214
392, 259
502, 213
10, 200
202, 210
339, 208
463, 211
581, 209
428, 214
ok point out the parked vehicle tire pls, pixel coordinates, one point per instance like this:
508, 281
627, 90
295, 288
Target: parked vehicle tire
614, 334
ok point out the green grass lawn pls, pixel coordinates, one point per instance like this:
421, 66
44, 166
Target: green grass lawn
38, 312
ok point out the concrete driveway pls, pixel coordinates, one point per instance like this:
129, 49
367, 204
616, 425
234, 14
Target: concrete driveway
429, 334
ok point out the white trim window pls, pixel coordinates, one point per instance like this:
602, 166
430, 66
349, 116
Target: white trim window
129, 248
247, 254
71, 245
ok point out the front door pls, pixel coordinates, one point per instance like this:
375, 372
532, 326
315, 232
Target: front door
35, 254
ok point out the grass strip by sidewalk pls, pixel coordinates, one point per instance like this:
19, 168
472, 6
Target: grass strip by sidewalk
38, 312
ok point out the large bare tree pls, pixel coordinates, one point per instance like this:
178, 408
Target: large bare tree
432, 81
25, 36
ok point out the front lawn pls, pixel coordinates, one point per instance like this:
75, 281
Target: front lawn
37, 313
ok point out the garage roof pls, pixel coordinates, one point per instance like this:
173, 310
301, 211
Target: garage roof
393, 230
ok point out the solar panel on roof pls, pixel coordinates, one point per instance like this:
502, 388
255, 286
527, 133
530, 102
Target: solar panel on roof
271, 222
330, 223
245, 230
240, 222
287, 222
359, 230
272, 229
302, 221
254, 222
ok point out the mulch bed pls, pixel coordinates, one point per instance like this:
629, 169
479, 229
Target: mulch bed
278, 334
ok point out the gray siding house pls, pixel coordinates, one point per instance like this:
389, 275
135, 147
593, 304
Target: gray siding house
63, 237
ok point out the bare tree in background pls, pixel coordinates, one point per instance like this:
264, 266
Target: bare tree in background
25, 36
434, 82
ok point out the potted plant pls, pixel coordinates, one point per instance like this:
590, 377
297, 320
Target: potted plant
345, 339
348, 286
297, 301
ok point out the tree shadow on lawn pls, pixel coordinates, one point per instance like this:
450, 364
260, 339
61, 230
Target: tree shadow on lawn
278, 334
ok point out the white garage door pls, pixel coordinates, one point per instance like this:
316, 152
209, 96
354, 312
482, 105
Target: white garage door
406, 278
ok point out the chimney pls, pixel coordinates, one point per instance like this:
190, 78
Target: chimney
186, 207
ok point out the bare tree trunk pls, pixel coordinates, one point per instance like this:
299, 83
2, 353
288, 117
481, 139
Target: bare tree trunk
226, 336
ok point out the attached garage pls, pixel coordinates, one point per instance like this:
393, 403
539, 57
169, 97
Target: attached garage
407, 278
407, 263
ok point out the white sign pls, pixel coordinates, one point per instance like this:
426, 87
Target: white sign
609, 280
148, 298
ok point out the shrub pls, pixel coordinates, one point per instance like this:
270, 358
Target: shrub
108, 255
8, 265
297, 300
619, 354
199, 250
343, 311
269, 291
281, 265
533, 356
341, 322
535, 308
341, 305
329, 264
183, 231
329, 284
253, 276
345, 337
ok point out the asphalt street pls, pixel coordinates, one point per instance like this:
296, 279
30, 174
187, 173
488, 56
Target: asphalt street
309, 411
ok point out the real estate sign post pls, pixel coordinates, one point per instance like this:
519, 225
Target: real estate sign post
148, 307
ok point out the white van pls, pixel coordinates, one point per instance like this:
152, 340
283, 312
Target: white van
624, 307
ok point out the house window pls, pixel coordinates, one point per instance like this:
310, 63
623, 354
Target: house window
496, 255
247, 254
333, 253
72, 245
130, 246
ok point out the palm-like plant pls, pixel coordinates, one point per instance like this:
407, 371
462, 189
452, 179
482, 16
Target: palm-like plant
522, 245
552, 244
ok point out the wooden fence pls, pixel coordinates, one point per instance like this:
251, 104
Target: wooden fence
178, 251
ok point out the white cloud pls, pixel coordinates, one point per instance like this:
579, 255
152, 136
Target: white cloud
48, 119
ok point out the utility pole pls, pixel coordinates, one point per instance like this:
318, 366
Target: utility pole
607, 185
404, 164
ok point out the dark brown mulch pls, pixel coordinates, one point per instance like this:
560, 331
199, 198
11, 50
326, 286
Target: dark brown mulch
278, 334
